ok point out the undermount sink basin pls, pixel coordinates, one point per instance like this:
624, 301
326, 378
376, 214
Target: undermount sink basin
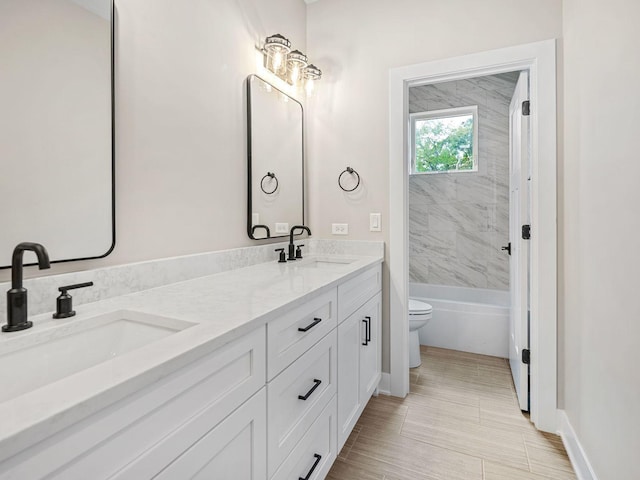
326, 262
40, 358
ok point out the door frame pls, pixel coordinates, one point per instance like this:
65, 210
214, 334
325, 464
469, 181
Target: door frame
540, 60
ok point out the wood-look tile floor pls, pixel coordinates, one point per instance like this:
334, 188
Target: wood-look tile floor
461, 421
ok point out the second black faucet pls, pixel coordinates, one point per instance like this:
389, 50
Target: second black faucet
292, 247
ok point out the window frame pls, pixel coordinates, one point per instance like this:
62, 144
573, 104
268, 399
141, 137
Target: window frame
444, 113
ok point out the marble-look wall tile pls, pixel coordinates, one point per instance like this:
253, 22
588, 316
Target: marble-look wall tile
498, 269
431, 189
459, 217
419, 216
423, 242
459, 221
477, 189
419, 269
473, 249
450, 270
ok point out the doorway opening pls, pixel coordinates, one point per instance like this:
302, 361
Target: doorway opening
468, 198
532, 316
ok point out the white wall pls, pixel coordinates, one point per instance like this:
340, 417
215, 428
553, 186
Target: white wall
601, 224
181, 122
356, 43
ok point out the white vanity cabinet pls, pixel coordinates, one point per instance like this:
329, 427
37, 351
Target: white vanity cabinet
274, 404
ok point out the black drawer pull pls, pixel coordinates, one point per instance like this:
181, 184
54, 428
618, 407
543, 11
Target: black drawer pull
311, 325
366, 329
313, 389
315, 464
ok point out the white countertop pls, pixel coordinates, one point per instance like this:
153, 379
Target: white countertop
225, 306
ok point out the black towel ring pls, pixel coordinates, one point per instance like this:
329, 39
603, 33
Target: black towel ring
352, 172
272, 176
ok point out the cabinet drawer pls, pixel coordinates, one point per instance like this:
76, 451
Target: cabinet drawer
316, 450
234, 450
296, 331
296, 397
139, 435
354, 293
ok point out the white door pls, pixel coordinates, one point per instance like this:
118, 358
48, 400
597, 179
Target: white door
519, 216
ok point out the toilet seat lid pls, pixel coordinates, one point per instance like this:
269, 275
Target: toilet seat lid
416, 307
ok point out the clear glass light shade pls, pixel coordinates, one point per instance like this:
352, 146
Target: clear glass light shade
311, 75
296, 63
309, 86
277, 48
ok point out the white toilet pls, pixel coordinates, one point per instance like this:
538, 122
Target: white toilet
419, 316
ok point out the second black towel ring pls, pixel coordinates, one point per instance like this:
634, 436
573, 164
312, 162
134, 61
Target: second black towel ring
352, 172
272, 176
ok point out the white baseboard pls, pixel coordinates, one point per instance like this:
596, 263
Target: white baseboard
384, 387
577, 455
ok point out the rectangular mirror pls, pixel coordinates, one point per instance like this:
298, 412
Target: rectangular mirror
56, 127
276, 161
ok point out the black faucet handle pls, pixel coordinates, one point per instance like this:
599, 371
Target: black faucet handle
74, 286
299, 250
283, 257
64, 303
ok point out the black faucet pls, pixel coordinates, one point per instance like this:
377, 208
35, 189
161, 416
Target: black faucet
292, 247
17, 296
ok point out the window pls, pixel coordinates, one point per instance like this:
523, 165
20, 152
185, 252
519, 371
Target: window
444, 140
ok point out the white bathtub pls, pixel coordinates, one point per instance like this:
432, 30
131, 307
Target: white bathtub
466, 319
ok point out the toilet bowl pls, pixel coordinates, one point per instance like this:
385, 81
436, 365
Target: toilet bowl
419, 316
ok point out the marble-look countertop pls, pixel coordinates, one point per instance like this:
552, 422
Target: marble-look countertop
224, 306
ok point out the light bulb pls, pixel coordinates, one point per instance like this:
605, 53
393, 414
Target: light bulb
309, 87
295, 74
277, 60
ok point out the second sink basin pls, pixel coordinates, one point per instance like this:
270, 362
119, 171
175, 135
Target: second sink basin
326, 262
42, 357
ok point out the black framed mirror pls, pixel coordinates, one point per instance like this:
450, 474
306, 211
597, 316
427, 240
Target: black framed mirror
275, 145
57, 127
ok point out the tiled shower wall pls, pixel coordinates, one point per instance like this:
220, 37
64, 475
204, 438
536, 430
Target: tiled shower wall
459, 221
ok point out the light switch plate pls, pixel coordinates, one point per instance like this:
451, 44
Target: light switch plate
282, 228
375, 222
340, 228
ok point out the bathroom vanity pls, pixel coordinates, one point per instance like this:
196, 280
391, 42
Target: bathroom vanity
255, 373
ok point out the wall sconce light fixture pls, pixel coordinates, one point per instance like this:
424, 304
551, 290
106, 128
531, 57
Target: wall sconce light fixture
291, 66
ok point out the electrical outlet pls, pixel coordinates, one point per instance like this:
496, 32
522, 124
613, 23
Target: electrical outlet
374, 222
282, 228
340, 228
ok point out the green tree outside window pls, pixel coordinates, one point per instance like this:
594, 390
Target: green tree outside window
444, 144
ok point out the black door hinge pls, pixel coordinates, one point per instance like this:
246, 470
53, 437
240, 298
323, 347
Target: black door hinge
526, 108
526, 356
526, 232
